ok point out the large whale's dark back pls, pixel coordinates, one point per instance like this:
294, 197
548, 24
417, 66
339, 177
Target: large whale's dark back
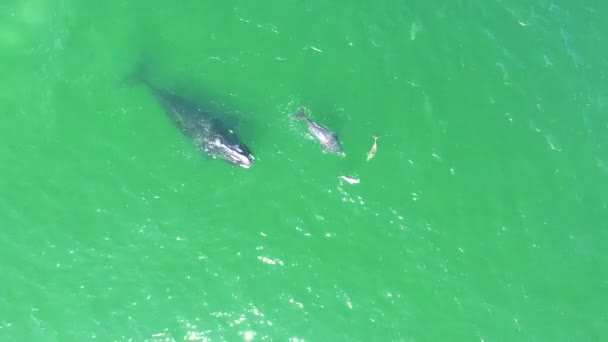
207, 131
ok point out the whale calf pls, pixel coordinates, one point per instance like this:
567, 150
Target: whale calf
327, 138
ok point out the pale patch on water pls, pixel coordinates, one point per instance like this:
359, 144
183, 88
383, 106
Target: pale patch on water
242, 321
601, 164
10, 38
348, 198
163, 336
567, 39
313, 48
194, 333
350, 179
392, 297
547, 61
349, 41
397, 219
26, 17
307, 234
553, 145
505, 74
216, 58
413, 30
264, 27
426, 103
34, 12
248, 335
343, 296
415, 196
270, 261
296, 303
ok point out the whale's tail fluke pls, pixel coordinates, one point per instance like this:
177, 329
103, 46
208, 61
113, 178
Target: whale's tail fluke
137, 76
301, 114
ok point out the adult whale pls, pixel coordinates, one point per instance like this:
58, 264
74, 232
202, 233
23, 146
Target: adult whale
207, 132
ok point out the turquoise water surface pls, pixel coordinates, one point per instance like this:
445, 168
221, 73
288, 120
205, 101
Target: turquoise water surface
481, 218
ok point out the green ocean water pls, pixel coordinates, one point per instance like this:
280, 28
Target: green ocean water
481, 218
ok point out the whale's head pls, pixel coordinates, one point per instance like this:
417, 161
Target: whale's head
235, 153
239, 156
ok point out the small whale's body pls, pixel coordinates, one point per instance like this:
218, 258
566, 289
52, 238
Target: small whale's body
207, 132
372, 152
327, 138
